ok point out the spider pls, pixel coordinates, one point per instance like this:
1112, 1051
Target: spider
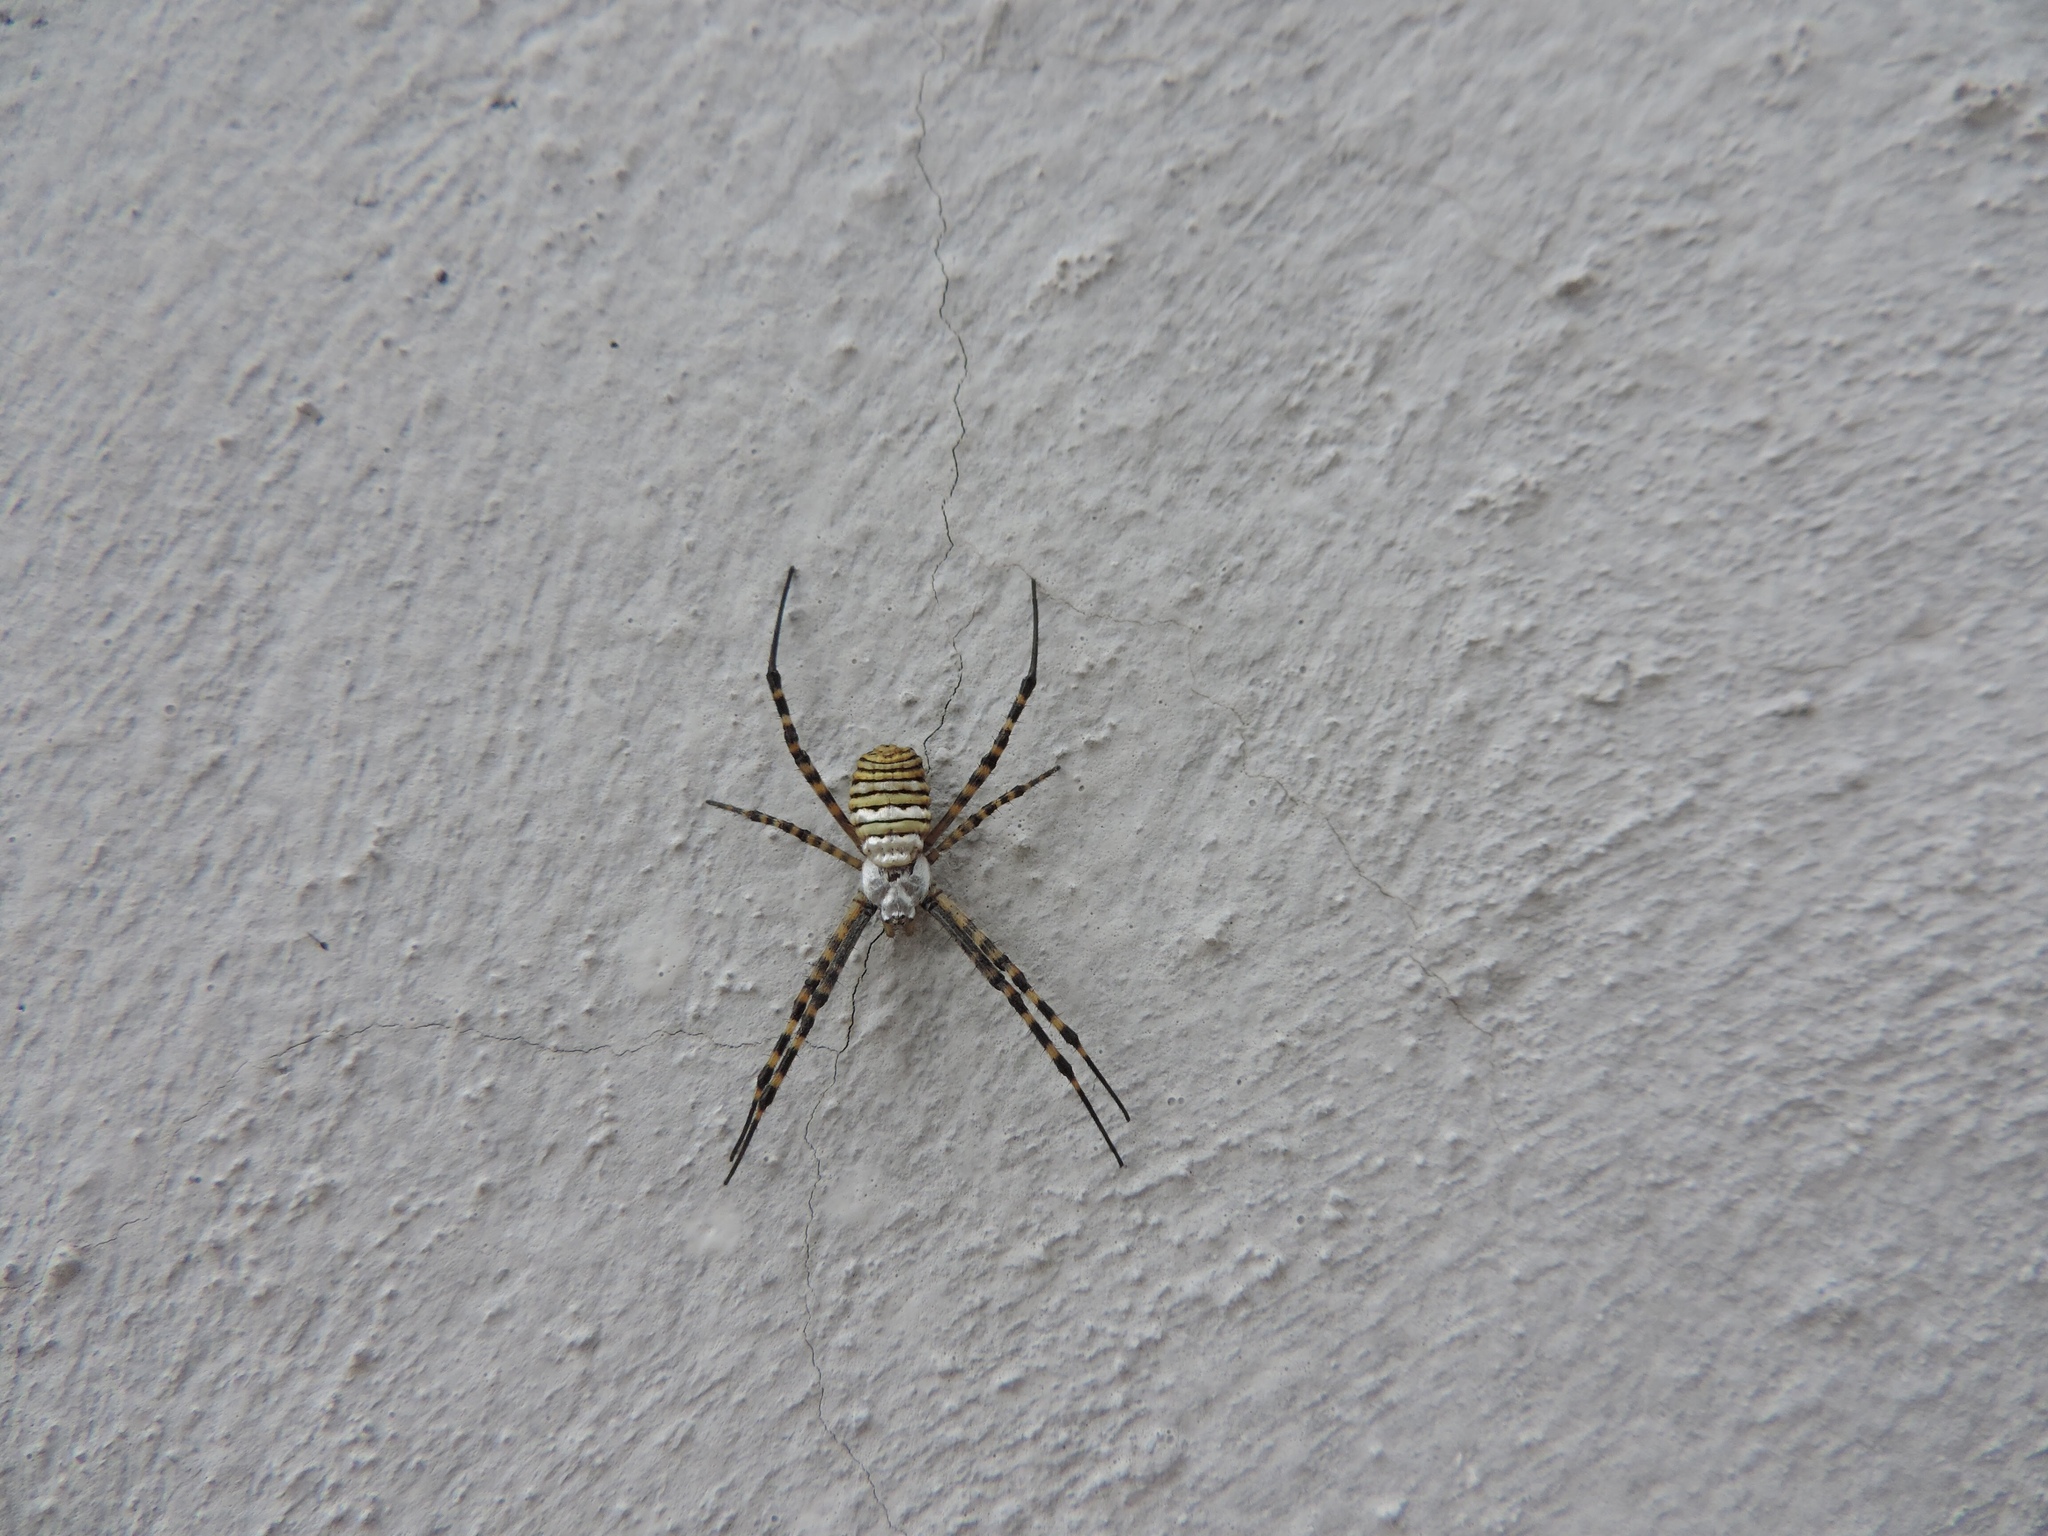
893, 830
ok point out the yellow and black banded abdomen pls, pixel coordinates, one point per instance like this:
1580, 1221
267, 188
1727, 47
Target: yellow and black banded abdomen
891, 806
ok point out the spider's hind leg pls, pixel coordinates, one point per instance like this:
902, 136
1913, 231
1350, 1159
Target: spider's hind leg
989, 810
994, 754
801, 834
804, 765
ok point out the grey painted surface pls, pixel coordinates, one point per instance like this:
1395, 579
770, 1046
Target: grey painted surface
1539, 522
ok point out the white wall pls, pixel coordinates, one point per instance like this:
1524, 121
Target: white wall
1538, 512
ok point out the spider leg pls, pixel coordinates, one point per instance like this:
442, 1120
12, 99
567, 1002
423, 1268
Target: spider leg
801, 834
993, 755
803, 1013
1008, 967
984, 813
804, 765
992, 964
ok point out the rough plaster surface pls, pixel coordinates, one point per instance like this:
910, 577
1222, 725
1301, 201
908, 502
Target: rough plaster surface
1538, 510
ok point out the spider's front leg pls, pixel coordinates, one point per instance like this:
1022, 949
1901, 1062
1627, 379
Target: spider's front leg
803, 1013
1001, 973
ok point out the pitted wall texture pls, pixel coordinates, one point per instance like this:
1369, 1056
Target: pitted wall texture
1538, 519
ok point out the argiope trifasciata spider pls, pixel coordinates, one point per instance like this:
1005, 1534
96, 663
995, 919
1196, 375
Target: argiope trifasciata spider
892, 827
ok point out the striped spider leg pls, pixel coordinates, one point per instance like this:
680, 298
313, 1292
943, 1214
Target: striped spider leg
1002, 974
803, 1013
888, 817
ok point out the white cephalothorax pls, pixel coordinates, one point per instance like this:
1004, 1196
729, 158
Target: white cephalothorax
896, 896
891, 825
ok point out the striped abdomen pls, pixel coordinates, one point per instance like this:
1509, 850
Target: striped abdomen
891, 806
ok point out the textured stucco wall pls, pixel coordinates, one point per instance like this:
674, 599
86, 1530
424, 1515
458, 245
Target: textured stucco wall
1539, 517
